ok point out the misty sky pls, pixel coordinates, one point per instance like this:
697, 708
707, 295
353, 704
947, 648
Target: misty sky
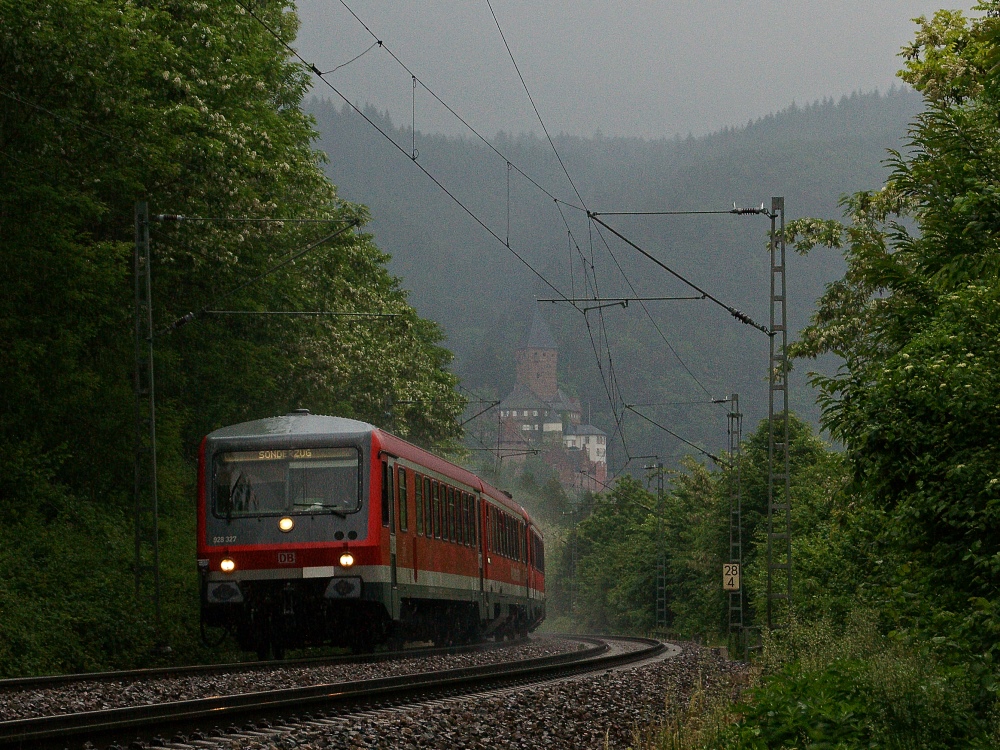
649, 69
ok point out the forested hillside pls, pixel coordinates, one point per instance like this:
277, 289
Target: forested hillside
482, 295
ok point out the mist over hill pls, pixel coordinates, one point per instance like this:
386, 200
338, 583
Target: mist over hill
681, 351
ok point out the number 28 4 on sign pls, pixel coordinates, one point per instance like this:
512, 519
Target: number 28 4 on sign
731, 577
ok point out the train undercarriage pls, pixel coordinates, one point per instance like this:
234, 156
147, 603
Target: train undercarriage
271, 617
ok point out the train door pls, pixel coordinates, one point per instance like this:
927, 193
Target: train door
526, 558
389, 520
404, 526
483, 546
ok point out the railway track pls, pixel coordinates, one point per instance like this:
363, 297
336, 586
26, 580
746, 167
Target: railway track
191, 721
130, 675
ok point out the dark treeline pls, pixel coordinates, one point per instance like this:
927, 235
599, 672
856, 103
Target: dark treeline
483, 296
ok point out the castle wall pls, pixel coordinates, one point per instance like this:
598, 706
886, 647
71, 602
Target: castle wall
536, 369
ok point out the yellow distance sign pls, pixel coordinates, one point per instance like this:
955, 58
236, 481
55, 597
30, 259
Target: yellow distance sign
731, 577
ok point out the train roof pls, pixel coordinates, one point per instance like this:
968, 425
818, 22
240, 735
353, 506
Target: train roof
303, 423
396, 445
294, 423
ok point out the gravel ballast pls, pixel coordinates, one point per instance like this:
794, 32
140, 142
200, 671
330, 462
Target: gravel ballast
98, 695
586, 712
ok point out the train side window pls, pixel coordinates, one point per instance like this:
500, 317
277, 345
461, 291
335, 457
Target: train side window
427, 507
401, 488
475, 521
463, 518
496, 530
466, 508
418, 502
490, 529
386, 487
451, 515
470, 535
436, 509
443, 510
440, 530
445, 521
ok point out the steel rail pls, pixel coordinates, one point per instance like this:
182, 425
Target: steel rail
132, 675
121, 725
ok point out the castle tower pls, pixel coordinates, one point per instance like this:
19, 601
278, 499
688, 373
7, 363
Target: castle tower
536, 360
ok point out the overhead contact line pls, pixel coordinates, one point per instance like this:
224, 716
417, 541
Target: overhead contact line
415, 78
742, 317
609, 379
667, 430
315, 70
191, 316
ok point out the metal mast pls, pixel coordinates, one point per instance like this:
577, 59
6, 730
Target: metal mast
147, 549
779, 517
735, 426
661, 554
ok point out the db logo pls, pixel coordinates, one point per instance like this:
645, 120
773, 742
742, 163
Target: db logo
286, 558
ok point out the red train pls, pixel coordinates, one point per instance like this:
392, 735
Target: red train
322, 530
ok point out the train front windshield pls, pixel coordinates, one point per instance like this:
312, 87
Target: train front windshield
277, 482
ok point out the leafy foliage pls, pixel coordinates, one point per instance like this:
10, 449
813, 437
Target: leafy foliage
915, 320
194, 107
609, 559
850, 686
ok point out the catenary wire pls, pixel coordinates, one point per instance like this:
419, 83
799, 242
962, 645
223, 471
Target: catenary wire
419, 166
740, 316
611, 387
189, 317
674, 434
583, 203
489, 144
374, 44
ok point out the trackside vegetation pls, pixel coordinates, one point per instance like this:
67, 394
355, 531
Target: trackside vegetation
195, 108
894, 641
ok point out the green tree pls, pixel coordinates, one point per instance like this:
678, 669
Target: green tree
914, 319
612, 548
194, 107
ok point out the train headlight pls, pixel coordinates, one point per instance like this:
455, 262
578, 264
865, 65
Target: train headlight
346, 560
286, 524
227, 565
